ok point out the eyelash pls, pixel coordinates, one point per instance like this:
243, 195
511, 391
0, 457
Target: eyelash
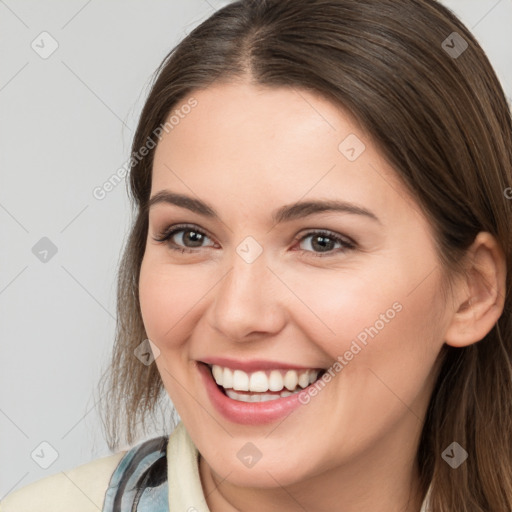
170, 231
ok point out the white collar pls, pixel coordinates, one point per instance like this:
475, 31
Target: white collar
185, 490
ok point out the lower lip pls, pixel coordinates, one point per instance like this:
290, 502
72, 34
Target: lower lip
247, 413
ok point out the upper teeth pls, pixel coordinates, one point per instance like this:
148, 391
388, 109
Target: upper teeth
274, 380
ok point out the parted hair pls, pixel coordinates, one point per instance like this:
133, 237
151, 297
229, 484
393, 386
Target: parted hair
442, 121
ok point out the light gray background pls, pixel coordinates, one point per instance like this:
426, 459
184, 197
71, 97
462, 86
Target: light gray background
66, 124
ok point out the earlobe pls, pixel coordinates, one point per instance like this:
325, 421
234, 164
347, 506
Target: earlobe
480, 297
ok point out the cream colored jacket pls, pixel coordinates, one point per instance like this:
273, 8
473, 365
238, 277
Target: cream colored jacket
83, 488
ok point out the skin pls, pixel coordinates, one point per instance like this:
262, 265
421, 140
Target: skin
248, 150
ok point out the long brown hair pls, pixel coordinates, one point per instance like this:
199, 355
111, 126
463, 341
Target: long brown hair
438, 113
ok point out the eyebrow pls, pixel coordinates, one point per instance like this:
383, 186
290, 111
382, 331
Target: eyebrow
285, 213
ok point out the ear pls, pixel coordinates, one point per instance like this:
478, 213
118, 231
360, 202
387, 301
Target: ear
479, 297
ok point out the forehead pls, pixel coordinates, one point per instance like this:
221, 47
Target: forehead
269, 146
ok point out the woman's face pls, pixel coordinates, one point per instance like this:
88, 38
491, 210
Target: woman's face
259, 291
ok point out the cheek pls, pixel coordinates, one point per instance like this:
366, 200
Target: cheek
344, 305
381, 365
167, 306
378, 321
166, 299
389, 356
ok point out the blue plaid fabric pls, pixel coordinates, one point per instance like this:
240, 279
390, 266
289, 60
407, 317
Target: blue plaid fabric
139, 482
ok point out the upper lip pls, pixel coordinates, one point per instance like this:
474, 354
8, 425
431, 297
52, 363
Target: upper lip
254, 364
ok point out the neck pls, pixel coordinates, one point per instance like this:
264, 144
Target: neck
383, 479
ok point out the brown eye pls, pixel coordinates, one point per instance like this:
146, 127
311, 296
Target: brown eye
323, 243
190, 239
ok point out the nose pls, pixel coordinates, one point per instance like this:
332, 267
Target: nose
248, 301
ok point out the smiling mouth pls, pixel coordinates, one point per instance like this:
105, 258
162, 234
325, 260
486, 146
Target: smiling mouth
263, 385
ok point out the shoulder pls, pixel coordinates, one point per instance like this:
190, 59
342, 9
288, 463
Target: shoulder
81, 489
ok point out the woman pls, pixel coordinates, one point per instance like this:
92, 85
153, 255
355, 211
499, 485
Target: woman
317, 272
